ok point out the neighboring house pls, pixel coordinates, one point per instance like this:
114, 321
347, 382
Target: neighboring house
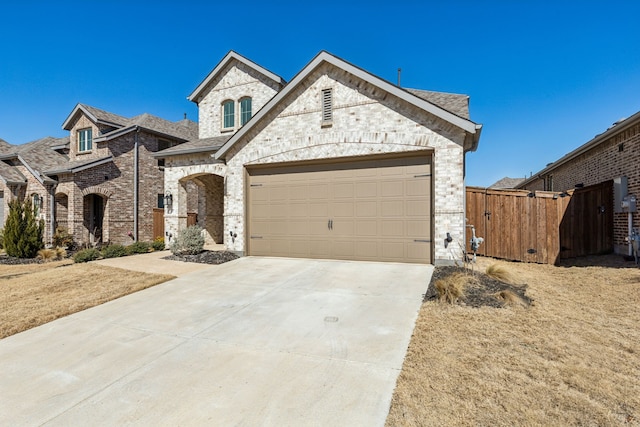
101, 182
506, 183
612, 155
336, 163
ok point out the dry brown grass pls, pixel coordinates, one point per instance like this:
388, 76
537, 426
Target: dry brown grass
34, 294
572, 358
500, 272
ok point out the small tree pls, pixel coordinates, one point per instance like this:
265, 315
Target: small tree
22, 231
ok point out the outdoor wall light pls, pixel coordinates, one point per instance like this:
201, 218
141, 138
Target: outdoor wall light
168, 199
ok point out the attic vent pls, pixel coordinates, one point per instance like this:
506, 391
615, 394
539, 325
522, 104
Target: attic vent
327, 105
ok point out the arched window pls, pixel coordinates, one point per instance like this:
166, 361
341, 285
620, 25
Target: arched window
228, 114
245, 110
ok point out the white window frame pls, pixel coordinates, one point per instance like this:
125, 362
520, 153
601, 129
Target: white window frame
244, 118
85, 144
224, 115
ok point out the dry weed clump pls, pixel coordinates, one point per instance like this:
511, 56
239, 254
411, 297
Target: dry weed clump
53, 254
510, 298
500, 272
451, 288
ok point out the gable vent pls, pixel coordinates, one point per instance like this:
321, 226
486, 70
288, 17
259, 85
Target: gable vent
327, 105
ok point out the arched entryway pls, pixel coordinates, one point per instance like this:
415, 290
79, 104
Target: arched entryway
62, 211
94, 218
201, 202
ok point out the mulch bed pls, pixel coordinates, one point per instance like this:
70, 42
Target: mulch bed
205, 257
9, 260
482, 293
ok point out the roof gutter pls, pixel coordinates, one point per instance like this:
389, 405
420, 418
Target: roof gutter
613, 130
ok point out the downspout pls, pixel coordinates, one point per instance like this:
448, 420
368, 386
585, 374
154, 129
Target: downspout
52, 211
135, 185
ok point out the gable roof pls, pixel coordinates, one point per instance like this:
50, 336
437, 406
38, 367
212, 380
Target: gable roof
36, 156
183, 130
11, 175
454, 103
204, 145
472, 129
617, 127
96, 115
507, 183
228, 58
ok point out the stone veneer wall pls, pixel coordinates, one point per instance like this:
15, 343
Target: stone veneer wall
235, 82
210, 176
601, 163
366, 120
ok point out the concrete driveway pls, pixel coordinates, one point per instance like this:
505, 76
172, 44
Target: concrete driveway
257, 341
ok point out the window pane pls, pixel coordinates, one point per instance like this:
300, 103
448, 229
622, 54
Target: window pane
245, 111
229, 113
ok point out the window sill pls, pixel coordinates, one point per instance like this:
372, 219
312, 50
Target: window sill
227, 130
326, 124
81, 153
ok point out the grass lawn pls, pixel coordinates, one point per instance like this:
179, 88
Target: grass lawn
34, 294
572, 358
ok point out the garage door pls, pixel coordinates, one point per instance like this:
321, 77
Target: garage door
374, 210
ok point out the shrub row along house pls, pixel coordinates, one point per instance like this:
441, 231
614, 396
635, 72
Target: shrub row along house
337, 163
610, 157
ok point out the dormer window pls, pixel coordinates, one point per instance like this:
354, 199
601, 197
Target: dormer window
228, 114
85, 141
245, 110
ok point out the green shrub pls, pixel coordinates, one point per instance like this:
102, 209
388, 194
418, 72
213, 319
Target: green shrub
114, 251
188, 242
62, 238
23, 231
158, 244
86, 255
138, 248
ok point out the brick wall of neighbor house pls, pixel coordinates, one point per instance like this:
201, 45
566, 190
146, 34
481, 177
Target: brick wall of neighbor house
114, 181
36, 187
365, 121
98, 151
236, 82
617, 156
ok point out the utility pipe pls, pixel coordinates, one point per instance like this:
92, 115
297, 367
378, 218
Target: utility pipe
630, 222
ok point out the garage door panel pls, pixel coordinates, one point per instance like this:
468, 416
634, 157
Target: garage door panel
367, 209
417, 208
392, 188
416, 187
366, 228
391, 209
317, 191
367, 189
418, 229
373, 210
344, 249
343, 190
392, 228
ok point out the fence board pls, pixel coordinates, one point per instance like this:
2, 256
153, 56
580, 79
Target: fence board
542, 227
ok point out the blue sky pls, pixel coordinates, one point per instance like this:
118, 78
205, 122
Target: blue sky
544, 77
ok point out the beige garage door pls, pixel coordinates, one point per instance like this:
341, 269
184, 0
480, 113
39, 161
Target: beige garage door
374, 210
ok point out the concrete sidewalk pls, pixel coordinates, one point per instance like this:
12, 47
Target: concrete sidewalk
153, 262
256, 341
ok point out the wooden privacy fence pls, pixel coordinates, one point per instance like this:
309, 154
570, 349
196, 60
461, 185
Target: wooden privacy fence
542, 226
